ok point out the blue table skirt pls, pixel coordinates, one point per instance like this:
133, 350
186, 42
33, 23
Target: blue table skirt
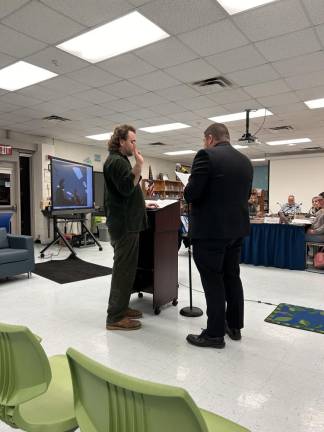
274, 245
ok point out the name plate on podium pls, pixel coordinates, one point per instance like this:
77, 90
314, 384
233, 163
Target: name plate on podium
271, 220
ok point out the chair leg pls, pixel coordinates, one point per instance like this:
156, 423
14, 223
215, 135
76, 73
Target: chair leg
29, 275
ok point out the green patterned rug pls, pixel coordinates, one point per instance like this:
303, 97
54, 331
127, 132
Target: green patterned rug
298, 317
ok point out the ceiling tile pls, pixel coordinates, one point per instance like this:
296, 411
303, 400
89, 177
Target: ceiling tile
182, 15
168, 108
90, 13
42, 23
126, 66
293, 44
122, 105
6, 60
289, 108
310, 93
301, 64
268, 88
9, 6
141, 113
93, 76
236, 59
166, 53
178, 92
315, 10
192, 71
214, 38
7, 107
154, 81
313, 79
123, 89
95, 96
56, 61
234, 107
254, 75
18, 99
320, 33
229, 95
271, 20
196, 103
17, 44
39, 92
278, 99
64, 85
149, 100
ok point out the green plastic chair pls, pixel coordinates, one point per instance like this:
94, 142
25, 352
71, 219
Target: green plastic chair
109, 401
36, 393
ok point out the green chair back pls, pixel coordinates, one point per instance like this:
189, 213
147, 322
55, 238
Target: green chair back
109, 401
24, 368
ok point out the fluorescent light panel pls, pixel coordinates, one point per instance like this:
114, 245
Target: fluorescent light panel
116, 37
315, 103
236, 6
258, 160
164, 127
100, 137
289, 142
180, 152
22, 74
240, 116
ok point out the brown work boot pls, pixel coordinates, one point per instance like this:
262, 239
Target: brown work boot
133, 313
124, 324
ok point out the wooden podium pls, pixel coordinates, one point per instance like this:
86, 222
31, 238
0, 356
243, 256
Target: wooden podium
157, 270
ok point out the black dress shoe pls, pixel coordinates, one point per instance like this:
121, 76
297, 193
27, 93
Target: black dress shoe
233, 333
203, 340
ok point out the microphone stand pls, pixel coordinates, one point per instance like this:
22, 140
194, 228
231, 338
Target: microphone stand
190, 311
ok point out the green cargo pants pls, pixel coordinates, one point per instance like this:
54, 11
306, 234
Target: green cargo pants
123, 275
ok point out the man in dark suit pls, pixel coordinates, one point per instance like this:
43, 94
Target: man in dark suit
218, 189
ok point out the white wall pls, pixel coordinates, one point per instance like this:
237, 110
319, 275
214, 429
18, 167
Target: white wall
302, 177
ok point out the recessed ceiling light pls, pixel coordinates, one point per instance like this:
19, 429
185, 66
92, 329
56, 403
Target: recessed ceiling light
236, 6
22, 74
164, 127
289, 142
315, 103
100, 137
116, 37
180, 152
238, 146
240, 116
258, 160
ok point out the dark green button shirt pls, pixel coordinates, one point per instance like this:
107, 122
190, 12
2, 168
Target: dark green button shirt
124, 202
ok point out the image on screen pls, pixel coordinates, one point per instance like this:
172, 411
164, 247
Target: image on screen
72, 185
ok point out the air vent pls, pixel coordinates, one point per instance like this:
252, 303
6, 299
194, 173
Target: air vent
313, 148
156, 144
220, 81
56, 118
279, 128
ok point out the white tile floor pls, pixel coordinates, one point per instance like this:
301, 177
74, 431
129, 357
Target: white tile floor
272, 380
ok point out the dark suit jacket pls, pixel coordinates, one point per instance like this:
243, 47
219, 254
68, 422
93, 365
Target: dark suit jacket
219, 188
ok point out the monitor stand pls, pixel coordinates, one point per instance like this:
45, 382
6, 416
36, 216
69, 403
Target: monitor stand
58, 235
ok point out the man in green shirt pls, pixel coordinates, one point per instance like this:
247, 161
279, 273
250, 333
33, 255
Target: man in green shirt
126, 217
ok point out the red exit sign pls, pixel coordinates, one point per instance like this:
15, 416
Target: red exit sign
5, 150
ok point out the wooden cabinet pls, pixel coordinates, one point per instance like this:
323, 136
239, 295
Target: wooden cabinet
164, 189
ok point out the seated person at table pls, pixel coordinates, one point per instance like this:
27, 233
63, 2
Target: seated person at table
316, 232
290, 208
253, 203
315, 207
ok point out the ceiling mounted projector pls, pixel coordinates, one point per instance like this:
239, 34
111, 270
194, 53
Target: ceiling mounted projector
247, 137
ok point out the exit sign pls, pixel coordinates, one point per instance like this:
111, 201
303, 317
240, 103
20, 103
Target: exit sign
5, 150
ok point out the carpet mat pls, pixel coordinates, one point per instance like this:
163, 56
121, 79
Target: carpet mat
72, 269
298, 317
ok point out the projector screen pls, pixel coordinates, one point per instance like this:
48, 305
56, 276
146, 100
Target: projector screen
71, 185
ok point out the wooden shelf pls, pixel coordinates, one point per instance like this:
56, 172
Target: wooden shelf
164, 188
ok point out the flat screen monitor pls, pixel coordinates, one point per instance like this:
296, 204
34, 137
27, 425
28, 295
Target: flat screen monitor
71, 186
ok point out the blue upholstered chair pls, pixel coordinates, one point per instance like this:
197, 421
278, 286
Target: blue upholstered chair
16, 254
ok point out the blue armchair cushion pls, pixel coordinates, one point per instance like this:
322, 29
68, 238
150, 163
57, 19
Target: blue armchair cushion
3, 238
13, 255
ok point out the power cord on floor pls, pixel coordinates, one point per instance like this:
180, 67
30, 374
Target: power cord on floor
50, 256
247, 300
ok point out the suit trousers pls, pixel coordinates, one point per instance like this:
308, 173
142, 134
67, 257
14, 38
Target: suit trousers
123, 275
218, 262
